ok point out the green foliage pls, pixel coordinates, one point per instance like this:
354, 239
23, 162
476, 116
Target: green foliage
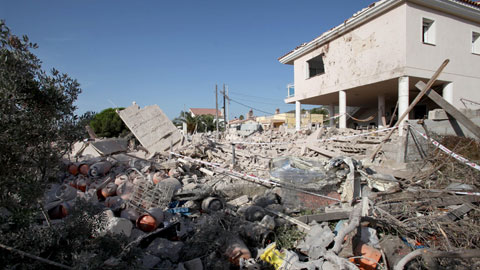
108, 124
319, 110
37, 127
37, 122
85, 120
74, 242
241, 117
199, 123
287, 236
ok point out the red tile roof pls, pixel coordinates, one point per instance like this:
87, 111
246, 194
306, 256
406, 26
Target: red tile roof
205, 111
473, 3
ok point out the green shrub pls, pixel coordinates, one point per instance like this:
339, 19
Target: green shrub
108, 124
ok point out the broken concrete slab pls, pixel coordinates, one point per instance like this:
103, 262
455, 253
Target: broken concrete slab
110, 146
151, 127
317, 240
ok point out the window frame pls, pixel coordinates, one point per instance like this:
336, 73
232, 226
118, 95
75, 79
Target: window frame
475, 42
429, 35
307, 66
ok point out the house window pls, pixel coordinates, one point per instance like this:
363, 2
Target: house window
428, 30
315, 66
476, 42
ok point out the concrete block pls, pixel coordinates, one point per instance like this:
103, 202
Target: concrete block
151, 127
437, 114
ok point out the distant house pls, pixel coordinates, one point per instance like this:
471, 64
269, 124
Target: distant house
204, 111
288, 119
374, 59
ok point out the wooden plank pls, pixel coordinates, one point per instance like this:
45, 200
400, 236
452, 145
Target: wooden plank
325, 217
450, 109
414, 102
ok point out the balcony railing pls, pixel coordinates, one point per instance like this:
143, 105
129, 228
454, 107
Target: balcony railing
290, 90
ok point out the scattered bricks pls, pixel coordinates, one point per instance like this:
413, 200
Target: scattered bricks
369, 257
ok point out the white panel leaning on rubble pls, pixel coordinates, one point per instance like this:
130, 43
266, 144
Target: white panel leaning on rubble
151, 127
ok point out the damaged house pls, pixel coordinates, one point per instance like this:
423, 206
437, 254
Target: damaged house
373, 60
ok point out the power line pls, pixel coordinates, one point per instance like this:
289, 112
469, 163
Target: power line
253, 101
242, 94
248, 106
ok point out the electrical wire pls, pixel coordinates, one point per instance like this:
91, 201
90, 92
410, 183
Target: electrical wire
267, 103
241, 94
253, 108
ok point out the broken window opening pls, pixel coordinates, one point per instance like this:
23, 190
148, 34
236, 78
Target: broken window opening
428, 30
475, 42
316, 66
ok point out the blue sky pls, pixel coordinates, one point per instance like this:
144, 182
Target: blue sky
172, 53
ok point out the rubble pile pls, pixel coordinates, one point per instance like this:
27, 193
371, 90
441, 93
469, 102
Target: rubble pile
268, 202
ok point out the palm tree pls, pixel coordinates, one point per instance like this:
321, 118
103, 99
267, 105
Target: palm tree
187, 118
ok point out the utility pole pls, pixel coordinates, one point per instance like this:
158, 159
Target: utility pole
228, 106
224, 111
216, 107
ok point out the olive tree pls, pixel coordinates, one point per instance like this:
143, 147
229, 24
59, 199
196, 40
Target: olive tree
37, 120
37, 127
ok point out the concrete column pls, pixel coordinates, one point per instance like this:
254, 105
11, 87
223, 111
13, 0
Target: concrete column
448, 92
381, 112
298, 112
403, 101
342, 102
331, 110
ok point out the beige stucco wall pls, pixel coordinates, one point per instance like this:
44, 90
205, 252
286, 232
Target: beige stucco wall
370, 53
289, 119
453, 41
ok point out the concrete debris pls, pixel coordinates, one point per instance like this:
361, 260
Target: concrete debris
108, 147
117, 225
151, 127
316, 241
273, 204
165, 249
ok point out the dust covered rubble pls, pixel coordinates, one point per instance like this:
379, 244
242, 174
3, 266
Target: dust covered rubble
277, 204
